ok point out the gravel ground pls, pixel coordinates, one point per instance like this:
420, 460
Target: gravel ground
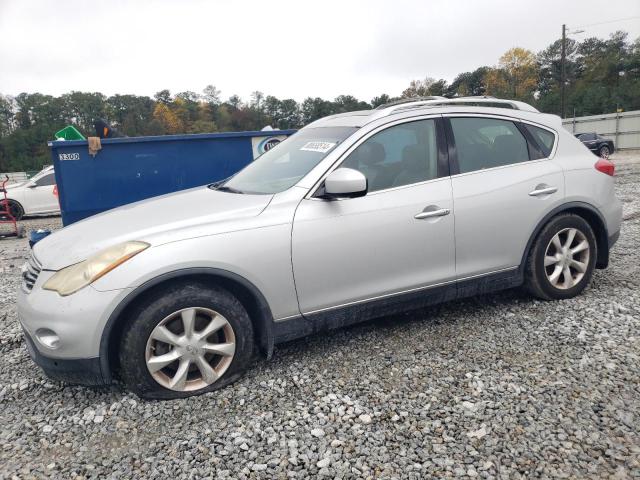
495, 386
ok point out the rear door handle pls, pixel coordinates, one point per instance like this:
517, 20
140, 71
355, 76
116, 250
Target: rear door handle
432, 213
543, 190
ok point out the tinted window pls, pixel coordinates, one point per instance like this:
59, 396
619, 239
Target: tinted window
487, 142
46, 180
544, 138
400, 155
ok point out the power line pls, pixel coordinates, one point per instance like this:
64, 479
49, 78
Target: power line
609, 21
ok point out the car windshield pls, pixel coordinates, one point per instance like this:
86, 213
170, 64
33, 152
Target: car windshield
285, 164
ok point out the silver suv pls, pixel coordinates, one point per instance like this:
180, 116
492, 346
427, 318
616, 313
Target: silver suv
357, 215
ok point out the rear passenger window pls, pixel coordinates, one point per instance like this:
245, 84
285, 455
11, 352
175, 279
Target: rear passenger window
400, 155
544, 138
46, 180
487, 143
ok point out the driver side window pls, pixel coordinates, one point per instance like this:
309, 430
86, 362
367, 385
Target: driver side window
400, 155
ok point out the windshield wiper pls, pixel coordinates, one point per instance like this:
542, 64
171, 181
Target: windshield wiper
224, 188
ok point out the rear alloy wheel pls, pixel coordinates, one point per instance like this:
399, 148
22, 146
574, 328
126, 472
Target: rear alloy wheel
184, 339
604, 151
190, 349
562, 259
566, 258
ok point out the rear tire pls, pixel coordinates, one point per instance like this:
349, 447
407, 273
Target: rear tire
562, 259
604, 152
165, 351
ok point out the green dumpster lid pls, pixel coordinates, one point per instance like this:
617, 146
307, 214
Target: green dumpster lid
69, 133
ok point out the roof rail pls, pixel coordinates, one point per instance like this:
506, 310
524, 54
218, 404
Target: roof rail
488, 101
409, 100
477, 101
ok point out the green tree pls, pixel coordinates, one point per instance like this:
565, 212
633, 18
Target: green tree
425, 88
468, 84
211, 95
6, 115
314, 108
163, 96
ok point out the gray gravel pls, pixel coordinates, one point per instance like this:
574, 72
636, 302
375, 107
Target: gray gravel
496, 386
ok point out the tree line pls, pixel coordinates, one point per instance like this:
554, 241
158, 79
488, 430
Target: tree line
601, 76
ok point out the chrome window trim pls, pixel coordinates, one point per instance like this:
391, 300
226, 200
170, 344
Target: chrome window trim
500, 167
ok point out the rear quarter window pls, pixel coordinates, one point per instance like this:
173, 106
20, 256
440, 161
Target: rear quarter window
544, 138
46, 180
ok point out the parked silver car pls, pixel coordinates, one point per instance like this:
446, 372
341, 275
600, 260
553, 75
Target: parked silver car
357, 215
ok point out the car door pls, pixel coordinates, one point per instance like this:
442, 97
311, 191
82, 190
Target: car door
504, 184
397, 238
40, 197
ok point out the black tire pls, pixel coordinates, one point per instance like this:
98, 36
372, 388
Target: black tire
536, 280
15, 208
161, 303
604, 151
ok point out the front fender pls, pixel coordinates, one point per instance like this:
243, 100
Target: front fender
262, 256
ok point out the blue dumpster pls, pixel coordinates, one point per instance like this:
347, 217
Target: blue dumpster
126, 170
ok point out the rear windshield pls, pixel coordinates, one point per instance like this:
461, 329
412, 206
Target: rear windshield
285, 164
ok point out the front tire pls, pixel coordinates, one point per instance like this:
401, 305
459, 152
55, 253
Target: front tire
562, 259
184, 340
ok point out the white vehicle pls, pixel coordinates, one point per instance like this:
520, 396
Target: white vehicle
36, 196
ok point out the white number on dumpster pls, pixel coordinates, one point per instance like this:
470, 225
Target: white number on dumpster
68, 156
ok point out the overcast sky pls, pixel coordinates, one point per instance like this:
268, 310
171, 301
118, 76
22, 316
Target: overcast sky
283, 48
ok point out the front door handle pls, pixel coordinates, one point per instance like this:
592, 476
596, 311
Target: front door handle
432, 213
543, 190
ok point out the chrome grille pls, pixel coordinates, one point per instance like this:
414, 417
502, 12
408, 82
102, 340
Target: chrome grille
30, 272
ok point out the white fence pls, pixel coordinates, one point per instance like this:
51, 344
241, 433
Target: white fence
623, 128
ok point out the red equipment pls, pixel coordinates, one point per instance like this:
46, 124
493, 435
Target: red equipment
6, 216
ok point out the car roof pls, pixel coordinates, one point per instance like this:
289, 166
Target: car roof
441, 105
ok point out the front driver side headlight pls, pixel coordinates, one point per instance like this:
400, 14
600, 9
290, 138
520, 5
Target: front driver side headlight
74, 277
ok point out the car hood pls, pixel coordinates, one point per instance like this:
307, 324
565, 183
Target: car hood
190, 213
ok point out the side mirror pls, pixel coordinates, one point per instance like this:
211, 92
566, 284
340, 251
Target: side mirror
345, 183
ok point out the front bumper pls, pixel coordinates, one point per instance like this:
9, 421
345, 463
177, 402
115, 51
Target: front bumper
78, 371
77, 320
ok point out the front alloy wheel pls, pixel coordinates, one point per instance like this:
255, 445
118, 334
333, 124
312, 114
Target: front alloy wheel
185, 338
604, 151
190, 349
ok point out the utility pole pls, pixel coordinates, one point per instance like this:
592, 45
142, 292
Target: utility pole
562, 70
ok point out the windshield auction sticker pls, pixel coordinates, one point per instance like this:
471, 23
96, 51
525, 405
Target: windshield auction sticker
320, 147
